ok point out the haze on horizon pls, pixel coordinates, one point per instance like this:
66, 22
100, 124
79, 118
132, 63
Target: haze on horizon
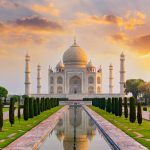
45, 29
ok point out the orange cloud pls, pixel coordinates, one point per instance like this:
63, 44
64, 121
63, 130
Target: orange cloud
119, 37
47, 9
130, 21
141, 44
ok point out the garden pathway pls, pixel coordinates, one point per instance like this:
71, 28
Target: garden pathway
121, 139
33, 138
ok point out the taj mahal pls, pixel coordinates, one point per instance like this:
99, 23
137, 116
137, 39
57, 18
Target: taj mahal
75, 77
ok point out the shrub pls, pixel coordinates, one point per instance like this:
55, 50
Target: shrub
35, 107
31, 109
113, 105
11, 111
116, 107
139, 114
26, 109
126, 107
1, 115
19, 113
132, 110
144, 108
108, 106
38, 106
120, 106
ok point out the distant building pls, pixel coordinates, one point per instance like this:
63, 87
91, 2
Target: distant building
75, 77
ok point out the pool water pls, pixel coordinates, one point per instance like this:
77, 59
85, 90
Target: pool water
75, 131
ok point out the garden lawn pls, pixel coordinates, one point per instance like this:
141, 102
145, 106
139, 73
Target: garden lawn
9, 134
5, 109
140, 133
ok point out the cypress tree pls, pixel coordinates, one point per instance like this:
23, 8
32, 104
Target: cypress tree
31, 109
26, 109
113, 105
38, 105
132, 110
41, 105
1, 115
126, 107
107, 105
139, 114
35, 107
19, 113
11, 111
116, 107
120, 106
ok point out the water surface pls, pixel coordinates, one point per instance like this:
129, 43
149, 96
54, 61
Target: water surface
75, 131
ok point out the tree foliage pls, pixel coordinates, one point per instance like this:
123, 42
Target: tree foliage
139, 114
132, 110
26, 109
3, 92
132, 86
31, 109
1, 115
120, 106
11, 111
125, 107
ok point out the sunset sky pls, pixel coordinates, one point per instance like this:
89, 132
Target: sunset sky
45, 29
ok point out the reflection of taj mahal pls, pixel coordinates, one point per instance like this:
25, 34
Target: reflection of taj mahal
74, 76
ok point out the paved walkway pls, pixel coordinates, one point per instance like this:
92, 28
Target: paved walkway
35, 136
146, 115
6, 114
119, 137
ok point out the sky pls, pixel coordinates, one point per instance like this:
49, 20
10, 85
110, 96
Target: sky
45, 30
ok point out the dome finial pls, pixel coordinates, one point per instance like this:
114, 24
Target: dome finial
74, 40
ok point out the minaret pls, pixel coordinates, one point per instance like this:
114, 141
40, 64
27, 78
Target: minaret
39, 79
111, 79
122, 73
27, 76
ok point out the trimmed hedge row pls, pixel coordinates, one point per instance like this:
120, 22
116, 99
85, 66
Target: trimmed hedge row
114, 105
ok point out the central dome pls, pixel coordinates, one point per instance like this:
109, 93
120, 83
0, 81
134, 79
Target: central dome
75, 55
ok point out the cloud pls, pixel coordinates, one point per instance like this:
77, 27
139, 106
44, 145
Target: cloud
129, 22
141, 44
119, 37
46, 9
35, 22
27, 31
8, 4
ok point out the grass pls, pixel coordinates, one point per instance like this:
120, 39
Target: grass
5, 109
132, 129
9, 134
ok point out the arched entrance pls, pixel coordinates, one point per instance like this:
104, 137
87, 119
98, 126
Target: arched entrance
75, 85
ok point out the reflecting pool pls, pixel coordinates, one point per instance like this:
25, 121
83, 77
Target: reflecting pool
75, 131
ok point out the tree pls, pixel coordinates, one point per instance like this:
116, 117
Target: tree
116, 107
26, 109
120, 106
3, 92
38, 106
113, 105
132, 86
139, 114
19, 114
145, 91
109, 105
132, 110
31, 109
1, 115
11, 111
126, 107
35, 107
